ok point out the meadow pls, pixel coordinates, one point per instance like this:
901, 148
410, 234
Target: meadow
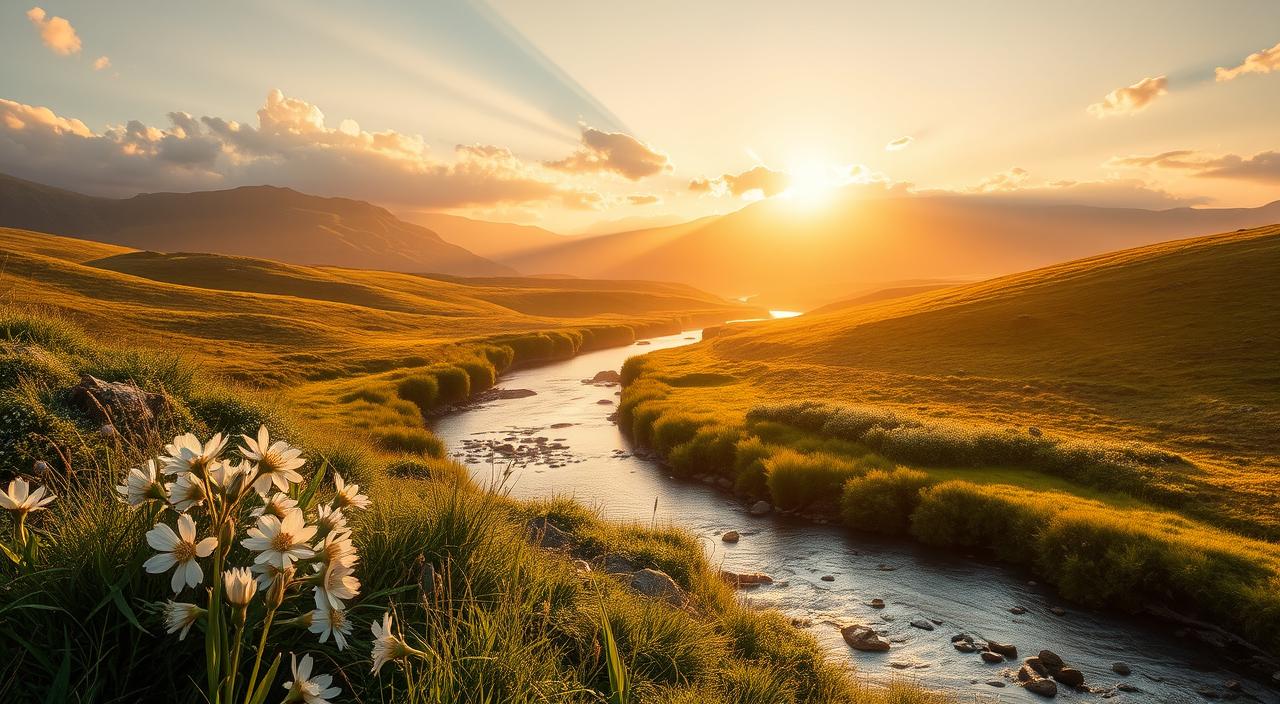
344, 365
1110, 423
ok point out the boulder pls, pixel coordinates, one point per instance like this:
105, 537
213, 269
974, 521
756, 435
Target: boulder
1050, 660
546, 535
1045, 688
761, 508
922, 624
1005, 649
1121, 668
1032, 669
964, 646
118, 404
993, 658
607, 376
659, 585
864, 638
1069, 676
876, 603
617, 564
730, 536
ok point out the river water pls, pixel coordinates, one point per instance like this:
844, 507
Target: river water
590, 460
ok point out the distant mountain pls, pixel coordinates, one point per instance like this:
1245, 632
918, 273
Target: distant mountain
798, 256
493, 240
259, 221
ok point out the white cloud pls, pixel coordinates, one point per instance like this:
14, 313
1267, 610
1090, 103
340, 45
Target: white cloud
1132, 99
1263, 167
613, 152
102, 62
56, 32
899, 144
1264, 61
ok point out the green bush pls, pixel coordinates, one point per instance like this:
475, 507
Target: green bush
751, 480
368, 393
798, 481
971, 515
480, 373
882, 501
453, 383
711, 450
414, 440
421, 390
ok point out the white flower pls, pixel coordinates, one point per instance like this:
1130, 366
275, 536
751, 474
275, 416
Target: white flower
336, 583
308, 689
327, 620
231, 477
20, 499
348, 494
240, 586
277, 461
140, 485
278, 504
387, 646
330, 519
179, 616
267, 573
337, 547
186, 454
180, 549
188, 491
281, 541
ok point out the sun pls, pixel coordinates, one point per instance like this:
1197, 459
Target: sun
812, 181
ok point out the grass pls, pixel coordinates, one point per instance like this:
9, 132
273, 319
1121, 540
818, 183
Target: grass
500, 620
1109, 423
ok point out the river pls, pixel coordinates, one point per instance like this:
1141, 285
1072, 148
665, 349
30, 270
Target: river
591, 461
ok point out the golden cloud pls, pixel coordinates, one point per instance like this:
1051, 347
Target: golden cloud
1132, 99
56, 32
1264, 61
613, 152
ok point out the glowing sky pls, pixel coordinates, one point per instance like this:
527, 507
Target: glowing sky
573, 112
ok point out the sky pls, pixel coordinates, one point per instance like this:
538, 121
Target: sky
576, 115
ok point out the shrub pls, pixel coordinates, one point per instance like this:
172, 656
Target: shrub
428, 469
674, 428
711, 450
370, 394
963, 513
748, 466
797, 481
420, 389
480, 373
882, 501
500, 356
415, 440
453, 383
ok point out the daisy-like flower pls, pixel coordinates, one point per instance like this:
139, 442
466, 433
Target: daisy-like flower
281, 541
140, 485
337, 582
307, 689
328, 620
20, 499
265, 573
387, 646
337, 547
278, 461
188, 491
186, 454
231, 477
329, 519
179, 616
240, 586
179, 549
348, 494
278, 504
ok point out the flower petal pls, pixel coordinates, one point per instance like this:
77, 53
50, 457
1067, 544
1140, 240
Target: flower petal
162, 537
159, 563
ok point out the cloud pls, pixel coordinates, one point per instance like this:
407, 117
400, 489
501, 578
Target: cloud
613, 152
761, 178
1132, 99
643, 199
291, 145
899, 144
1017, 185
1263, 167
102, 62
1264, 61
701, 185
56, 32
1012, 179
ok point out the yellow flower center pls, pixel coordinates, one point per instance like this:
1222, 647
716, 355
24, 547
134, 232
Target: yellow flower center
184, 551
282, 542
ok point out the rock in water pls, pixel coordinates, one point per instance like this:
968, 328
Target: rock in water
864, 638
988, 656
658, 584
922, 624
1069, 676
1121, 668
1045, 688
1005, 649
1050, 660
876, 603
761, 508
828, 578
607, 376
730, 536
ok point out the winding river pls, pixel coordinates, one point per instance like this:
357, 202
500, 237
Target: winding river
584, 455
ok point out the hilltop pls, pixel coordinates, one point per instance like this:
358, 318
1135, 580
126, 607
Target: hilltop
492, 240
257, 221
801, 255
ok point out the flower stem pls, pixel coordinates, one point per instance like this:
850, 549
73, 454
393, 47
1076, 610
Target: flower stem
257, 660
230, 687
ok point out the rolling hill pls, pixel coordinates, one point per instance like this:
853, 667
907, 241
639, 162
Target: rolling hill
798, 256
259, 221
492, 240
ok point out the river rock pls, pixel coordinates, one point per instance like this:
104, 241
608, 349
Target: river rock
1045, 688
730, 536
505, 394
993, 658
877, 603
745, 579
557, 426
607, 376
1121, 668
1057, 611
864, 638
605, 402
1017, 610
761, 508
1032, 669
828, 578
1005, 649
995, 683
617, 564
658, 584
922, 624
1069, 676
1126, 687
964, 646
1050, 660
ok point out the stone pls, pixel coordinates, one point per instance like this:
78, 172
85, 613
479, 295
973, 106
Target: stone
1233, 685
864, 638
546, 535
1121, 668
505, 394
1017, 610
617, 564
659, 585
582, 565
605, 402
1045, 688
730, 536
1034, 432
995, 683
745, 579
643, 342
1050, 660
118, 404
1069, 676
1005, 649
1057, 611
828, 578
993, 658
964, 646
876, 603
1126, 687
1032, 669
760, 508
607, 376
922, 624
557, 426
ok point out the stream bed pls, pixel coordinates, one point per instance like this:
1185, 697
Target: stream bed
582, 454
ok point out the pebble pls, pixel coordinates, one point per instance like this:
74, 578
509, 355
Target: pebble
828, 578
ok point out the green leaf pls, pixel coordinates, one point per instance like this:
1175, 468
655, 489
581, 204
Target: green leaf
264, 686
307, 496
125, 609
13, 556
621, 689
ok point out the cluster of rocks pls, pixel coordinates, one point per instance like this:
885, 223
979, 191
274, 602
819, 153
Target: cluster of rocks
607, 377
520, 447
1041, 674
648, 581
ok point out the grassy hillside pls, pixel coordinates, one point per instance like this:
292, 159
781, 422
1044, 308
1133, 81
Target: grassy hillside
492, 240
1133, 396
263, 221
798, 255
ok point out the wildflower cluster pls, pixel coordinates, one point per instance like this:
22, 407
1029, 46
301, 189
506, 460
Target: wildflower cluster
294, 546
